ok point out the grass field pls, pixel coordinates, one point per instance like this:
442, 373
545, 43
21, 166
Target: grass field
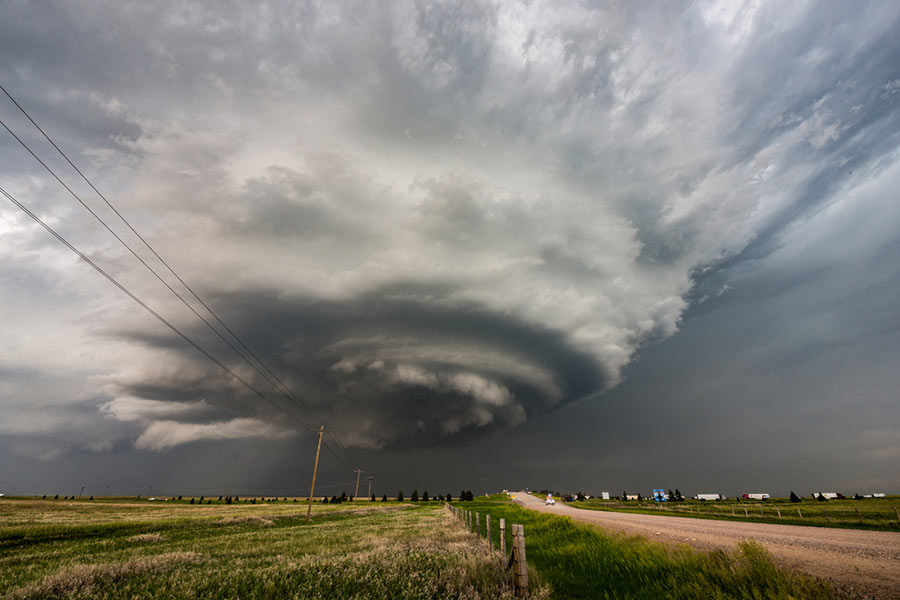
870, 513
132, 548
581, 561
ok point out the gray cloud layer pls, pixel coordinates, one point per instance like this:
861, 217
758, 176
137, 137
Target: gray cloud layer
435, 221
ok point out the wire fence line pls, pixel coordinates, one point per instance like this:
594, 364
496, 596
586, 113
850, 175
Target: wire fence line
516, 559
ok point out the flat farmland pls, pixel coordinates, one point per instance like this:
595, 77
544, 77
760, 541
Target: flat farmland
136, 548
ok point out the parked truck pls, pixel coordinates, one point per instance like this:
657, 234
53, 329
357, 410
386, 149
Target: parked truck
710, 497
755, 496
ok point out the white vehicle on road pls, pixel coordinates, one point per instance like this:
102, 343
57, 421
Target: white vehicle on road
549, 500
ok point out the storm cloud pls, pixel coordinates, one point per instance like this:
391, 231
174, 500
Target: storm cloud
435, 222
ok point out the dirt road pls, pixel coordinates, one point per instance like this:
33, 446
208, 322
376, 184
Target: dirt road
863, 563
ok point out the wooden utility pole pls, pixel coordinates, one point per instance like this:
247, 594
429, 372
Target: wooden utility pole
370, 478
356, 492
312, 488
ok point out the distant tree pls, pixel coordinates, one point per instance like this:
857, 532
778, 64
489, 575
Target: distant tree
857, 497
237, 499
822, 498
201, 499
252, 500
91, 498
671, 496
415, 496
462, 495
469, 496
228, 500
449, 498
400, 496
350, 498
425, 496
324, 499
372, 499
579, 496
384, 497
295, 500
794, 497
179, 497
44, 497
678, 496
624, 496
640, 498
220, 498
441, 497
192, 501
343, 497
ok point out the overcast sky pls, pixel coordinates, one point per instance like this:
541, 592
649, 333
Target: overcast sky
577, 245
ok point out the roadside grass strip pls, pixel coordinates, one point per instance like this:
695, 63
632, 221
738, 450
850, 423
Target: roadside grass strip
582, 561
870, 514
399, 552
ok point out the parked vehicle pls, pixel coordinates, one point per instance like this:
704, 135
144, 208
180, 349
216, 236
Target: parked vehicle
710, 497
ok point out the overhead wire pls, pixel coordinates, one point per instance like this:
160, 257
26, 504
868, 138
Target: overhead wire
133, 296
261, 367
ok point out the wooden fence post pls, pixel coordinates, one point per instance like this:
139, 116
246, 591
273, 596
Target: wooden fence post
858, 518
778, 510
487, 526
898, 513
520, 563
478, 524
799, 513
745, 512
503, 537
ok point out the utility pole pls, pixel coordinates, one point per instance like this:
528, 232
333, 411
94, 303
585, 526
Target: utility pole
356, 492
312, 488
370, 478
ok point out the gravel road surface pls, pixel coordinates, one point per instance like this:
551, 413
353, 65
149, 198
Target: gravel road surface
864, 564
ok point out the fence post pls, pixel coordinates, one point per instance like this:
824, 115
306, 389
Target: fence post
858, 518
799, 513
487, 525
521, 565
778, 510
746, 514
478, 524
898, 513
732, 512
503, 537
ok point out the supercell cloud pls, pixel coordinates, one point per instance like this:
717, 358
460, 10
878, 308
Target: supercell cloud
433, 221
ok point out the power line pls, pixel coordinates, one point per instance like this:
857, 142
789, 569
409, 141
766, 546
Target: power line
131, 295
268, 375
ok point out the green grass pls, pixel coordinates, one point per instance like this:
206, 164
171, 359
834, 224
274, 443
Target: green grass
581, 561
871, 513
53, 549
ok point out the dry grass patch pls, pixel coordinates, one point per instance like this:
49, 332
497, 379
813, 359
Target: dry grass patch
80, 579
261, 521
146, 537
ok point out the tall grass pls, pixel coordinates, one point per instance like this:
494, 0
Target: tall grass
581, 561
246, 553
873, 514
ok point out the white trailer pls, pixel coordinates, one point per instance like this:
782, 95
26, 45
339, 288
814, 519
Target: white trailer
605, 495
709, 497
756, 496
